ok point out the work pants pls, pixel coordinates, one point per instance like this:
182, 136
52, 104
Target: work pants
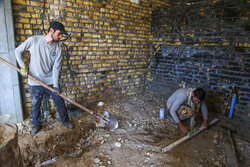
36, 93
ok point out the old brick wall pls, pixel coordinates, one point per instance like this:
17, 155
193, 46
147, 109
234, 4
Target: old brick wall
205, 44
108, 52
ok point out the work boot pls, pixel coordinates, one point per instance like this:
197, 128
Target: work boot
171, 119
69, 125
35, 129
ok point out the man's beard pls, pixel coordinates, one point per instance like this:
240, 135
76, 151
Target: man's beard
53, 39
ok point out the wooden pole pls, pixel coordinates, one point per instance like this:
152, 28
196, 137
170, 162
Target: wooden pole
51, 89
187, 137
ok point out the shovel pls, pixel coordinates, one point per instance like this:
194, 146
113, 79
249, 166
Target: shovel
108, 121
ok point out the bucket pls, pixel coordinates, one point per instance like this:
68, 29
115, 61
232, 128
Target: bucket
9, 150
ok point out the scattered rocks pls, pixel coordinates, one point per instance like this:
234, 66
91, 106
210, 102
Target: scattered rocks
141, 136
25, 126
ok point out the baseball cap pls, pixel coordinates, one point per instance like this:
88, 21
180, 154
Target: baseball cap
56, 25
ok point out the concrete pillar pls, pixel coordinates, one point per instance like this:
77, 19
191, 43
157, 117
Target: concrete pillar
10, 97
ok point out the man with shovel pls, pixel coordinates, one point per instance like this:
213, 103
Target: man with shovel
184, 104
45, 65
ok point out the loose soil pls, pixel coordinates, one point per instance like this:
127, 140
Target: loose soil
137, 142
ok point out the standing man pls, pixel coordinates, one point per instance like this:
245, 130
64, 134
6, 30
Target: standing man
45, 65
194, 98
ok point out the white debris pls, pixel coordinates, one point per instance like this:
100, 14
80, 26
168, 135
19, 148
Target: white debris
97, 160
118, 144
100, 104
107, 135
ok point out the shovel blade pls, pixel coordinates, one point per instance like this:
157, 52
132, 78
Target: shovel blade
108, 121
112, 124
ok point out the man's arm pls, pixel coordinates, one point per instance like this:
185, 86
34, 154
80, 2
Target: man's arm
175, 106
56, 69
204, 114
20, 49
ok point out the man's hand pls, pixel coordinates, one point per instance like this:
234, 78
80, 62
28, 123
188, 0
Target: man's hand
24, 71
182, 127
205, 124
56, 91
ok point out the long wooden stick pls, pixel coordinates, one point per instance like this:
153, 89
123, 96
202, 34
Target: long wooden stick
233, 147
51, 89
185, 138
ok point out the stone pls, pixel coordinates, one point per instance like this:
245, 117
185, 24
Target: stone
216, 136
107, 135
217, 163
118, 144
215, 141
97, 160
100, 104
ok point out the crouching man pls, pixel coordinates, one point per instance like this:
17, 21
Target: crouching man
184, 103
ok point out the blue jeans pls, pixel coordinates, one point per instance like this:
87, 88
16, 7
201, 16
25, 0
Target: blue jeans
36, 93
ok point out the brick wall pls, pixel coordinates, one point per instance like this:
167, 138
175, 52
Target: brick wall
204, 44
108, 52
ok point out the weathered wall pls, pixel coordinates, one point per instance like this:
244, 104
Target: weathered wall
108, 51
204, 44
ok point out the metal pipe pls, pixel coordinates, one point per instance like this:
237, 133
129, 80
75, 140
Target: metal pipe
232, 106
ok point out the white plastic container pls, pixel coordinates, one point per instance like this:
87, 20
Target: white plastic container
162, 113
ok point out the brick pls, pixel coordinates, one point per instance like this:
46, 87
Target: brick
28, 32
35, 15
19, 25
30, 9
22, 2
34, 3
23, 20
69, 14
32, 21
26, 26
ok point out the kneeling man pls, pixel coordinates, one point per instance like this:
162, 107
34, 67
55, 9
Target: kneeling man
185, 103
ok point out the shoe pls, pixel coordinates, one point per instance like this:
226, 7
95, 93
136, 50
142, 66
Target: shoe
35, 129
69, 125
171, 119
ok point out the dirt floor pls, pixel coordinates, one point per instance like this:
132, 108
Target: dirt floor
138, 142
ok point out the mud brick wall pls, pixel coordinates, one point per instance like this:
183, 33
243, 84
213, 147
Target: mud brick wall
205, 44
108, 52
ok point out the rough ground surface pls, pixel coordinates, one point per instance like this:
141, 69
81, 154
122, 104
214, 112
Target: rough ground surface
136, 143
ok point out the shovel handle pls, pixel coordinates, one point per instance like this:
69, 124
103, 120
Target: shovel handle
51, 89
